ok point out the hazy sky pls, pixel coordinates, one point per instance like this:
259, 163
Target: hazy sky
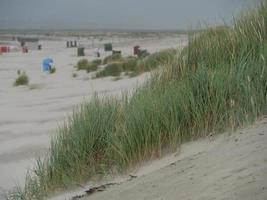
116, 14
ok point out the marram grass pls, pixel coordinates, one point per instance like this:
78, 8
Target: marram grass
22, 79
218, 82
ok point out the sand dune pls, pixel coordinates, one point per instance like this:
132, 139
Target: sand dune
227, 166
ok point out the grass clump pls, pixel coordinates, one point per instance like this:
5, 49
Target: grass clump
129, 64
52, 70
113, 69
22, 79
113, 58
97, 61
84, 64
217, 83
91, 67
74, 75
155, 60
135, 66
143, 53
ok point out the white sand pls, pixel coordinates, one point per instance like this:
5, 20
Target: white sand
225, 167
28, 117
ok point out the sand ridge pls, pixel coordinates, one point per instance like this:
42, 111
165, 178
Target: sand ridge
227, 166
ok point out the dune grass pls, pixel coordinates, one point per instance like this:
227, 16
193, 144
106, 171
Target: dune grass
97, 61
134, 66
129, 64
52, 70
155, 60
91, 67
218, 82
112, 69
143, 53
74, 75
113, 58
22, 79
84, 64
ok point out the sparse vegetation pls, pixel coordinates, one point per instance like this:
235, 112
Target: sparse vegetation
52, 70
22, 79
129, 64
113, 69
142, 54
113, 58
92, 67
135, 66
155, 60
218, 82
74, 75
84, 64
97, 61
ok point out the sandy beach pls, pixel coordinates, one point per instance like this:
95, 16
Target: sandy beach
30, 115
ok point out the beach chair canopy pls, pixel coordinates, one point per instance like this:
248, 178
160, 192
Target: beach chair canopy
47, 63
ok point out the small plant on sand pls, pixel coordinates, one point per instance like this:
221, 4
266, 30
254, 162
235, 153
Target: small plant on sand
52, 70
129, 64
155, 60
22, 79
97, 61
74, 75
91, 67
113, 69
113, 58
142, 54
82, 64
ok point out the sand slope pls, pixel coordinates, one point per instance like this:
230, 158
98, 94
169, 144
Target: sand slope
222, 167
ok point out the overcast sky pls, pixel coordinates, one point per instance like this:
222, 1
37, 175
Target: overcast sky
116, 14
